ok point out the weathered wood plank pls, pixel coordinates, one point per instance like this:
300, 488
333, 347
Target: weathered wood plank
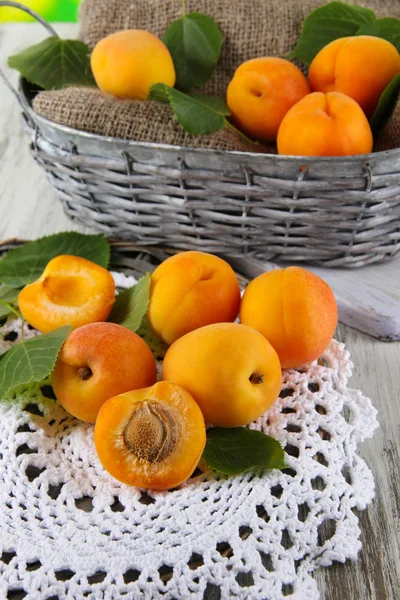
376, 573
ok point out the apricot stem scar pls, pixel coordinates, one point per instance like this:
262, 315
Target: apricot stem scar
256, 378
152, 432
85, 373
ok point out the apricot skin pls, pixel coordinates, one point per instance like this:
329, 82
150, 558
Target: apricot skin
295, 310
190, 290
329, 124
170, 472
71, 291
261, 92
216, 364
359, 66
127, 63
119, 360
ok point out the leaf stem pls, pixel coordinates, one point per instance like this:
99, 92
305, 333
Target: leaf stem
241, 134
12, 309
183, 9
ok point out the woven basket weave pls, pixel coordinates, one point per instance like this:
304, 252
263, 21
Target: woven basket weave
329, 211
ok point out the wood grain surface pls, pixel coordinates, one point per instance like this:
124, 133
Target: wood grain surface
28, 209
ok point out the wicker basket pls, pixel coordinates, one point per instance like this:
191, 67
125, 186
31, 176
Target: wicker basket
328, 211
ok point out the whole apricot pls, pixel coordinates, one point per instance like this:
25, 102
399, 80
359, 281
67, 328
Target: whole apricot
151, 438
295, 311
71, 291
329, 124
190, 290
98, 361
127, 63
231, 370
261, 92
360, 67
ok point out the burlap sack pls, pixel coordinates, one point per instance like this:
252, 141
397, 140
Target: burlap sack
90, 110
250, 28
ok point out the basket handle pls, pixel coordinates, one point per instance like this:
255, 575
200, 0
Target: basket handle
45, 24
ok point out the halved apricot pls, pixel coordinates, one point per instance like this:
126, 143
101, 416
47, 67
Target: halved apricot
151, 438
71, 291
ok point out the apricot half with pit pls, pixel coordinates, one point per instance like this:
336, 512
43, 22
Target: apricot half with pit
71, 291
151, 438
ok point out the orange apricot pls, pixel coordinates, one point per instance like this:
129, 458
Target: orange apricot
127, 63
98, 361
329, 124
231, 370
295, 310
190, 290
151, 438
261, 92
71, 291
360, 67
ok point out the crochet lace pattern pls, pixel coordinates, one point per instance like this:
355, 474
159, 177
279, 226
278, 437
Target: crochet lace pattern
68, 530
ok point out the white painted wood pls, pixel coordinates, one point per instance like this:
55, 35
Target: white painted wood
29, 209
24, 191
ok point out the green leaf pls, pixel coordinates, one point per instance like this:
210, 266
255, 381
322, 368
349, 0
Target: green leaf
387, 28
55, 63
194, 42
131, 305
241, 450
194, 116
25, 264
386, 104
8, 296
30, 361
328, 23
157, 346
216, 103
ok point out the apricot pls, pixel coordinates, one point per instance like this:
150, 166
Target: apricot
190, 290
261, 92
127, 63
231, 370
71, 291
360, 67
295, 311
329, 124
98, 361
151, 438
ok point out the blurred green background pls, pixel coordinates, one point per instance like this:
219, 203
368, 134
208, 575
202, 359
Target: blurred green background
51, 10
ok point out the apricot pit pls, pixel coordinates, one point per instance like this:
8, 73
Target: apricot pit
152, 437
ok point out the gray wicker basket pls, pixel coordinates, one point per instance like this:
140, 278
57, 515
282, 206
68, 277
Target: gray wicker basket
329, 211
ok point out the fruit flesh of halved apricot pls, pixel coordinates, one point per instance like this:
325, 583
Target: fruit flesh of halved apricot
71, 291
151, 438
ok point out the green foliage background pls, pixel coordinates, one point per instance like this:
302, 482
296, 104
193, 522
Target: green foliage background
51, 10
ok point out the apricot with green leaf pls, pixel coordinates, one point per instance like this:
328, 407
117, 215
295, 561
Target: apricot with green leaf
98, 361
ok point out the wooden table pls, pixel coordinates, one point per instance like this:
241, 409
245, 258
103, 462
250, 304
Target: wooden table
29, 209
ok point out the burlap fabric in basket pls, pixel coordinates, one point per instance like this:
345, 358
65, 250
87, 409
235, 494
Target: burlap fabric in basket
250, 28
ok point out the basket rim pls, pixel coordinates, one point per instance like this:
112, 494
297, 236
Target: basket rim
288, 159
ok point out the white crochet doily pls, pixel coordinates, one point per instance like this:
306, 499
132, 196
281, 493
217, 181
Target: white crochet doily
70, 531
